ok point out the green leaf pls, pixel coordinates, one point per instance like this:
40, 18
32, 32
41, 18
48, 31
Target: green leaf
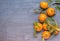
50, 19
35, 34
55, 23
49, 0
35, 23
36, 11
57, 7
48, 27
57, 1
52, 30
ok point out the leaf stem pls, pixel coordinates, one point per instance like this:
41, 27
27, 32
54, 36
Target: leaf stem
35, 35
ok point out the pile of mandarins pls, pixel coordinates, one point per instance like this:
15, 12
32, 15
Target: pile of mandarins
43, 23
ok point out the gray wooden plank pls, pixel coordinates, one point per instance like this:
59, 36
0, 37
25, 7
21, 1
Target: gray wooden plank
16, 20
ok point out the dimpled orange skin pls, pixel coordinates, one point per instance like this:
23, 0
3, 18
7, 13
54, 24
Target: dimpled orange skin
42, 17
56, 32
38, 27
45, 26
50, 11
43, 5
46, 35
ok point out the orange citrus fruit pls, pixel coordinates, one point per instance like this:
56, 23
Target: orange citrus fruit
43, 5
50, 11
45, 26
42, 17
38, 27
46, 35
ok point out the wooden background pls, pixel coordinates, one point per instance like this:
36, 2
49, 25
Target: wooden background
16, 20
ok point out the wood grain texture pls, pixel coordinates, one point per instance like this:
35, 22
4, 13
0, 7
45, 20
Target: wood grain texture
16, 20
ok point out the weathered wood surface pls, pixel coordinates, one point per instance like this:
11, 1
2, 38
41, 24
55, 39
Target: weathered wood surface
16, 20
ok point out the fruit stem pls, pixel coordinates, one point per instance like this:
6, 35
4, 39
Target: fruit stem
55, 27
42, 39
